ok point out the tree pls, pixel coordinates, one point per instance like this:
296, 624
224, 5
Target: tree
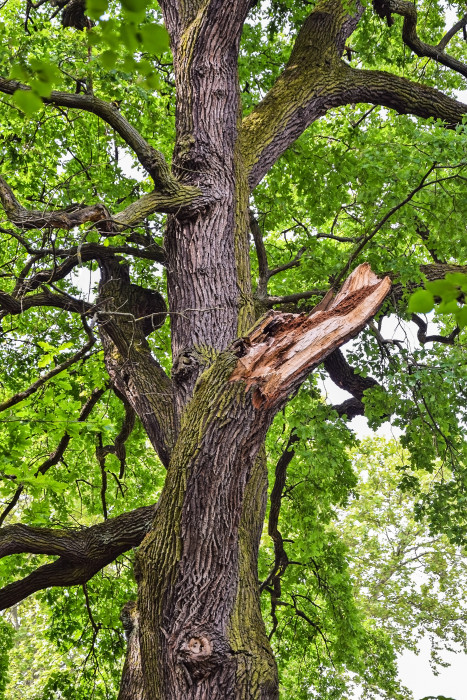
205, 407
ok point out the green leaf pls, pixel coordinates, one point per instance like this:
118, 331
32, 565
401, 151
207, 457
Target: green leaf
461, 317
136, 6
441, 288
92, 237
155, 38
457, 278
27, 101
96, 8
108, 59
448, 307
421, 301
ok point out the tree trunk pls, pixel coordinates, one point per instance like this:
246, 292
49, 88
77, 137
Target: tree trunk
201, 634
201, 631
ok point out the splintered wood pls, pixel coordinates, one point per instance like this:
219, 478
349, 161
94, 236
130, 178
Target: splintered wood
283, 348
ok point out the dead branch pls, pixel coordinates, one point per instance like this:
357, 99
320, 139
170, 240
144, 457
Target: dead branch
284, 348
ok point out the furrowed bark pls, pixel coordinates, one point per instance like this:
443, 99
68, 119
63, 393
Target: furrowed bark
208, 277
132, 682
190, 564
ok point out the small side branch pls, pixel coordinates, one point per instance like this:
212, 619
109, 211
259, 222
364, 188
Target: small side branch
57, 455
22, 395
10, 305
152, 160
424, 338
265, 272
281, 560
345, 377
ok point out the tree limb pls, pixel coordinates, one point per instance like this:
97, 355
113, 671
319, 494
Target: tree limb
10, 305
82, 553
386, 8
345, 377
22, 395
316, 80
152, 160
28, 219
301, 93
424, 338
127, 314
404, 96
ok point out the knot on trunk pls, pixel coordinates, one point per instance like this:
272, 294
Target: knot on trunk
196, 649
200, 652
189, 361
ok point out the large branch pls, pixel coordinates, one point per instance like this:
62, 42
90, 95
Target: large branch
385, 8
82, 553
127, 313
316, 80
301, 93
404, 96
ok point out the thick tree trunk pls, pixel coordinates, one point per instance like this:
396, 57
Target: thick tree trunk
201, 630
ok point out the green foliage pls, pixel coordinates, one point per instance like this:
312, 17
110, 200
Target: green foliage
6, 643
446, 295
348, 508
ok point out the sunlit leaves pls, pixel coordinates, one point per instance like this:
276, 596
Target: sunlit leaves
27, 101
444, 295
40, 76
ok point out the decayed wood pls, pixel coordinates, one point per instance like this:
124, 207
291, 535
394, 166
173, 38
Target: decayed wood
283, 348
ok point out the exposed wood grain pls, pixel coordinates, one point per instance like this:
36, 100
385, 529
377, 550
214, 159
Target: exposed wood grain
283, 348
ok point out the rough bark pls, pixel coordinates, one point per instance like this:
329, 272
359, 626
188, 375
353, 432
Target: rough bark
127, 313
81, 554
